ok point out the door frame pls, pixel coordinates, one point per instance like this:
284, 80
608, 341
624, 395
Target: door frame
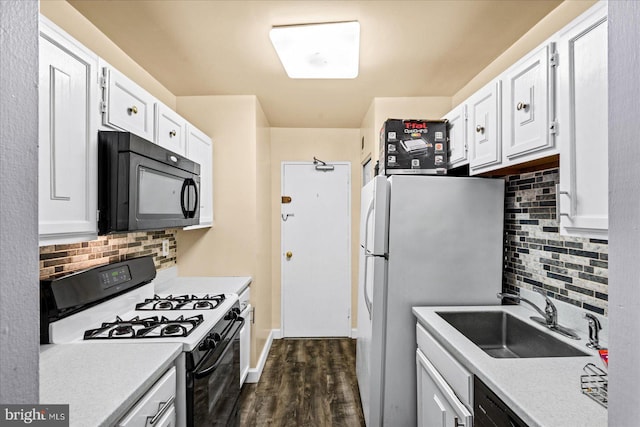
349, 231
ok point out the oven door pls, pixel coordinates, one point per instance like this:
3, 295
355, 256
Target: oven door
213, 387
160, 195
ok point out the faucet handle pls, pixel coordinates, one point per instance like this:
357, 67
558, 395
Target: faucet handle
594, 327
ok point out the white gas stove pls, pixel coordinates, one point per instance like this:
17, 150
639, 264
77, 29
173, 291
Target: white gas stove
116, 304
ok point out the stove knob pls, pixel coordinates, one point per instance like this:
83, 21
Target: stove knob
231, 315
236, 310
207, 344
215, 337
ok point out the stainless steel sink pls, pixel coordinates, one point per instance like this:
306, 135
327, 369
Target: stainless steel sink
502, 335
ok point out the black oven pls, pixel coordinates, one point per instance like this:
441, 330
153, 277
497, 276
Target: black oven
142, 186
213, 375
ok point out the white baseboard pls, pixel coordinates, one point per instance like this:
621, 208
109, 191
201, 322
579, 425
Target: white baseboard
277, 334
354, 333
253, 376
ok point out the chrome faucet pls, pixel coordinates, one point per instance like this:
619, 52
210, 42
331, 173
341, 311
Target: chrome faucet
549, 317
594, 328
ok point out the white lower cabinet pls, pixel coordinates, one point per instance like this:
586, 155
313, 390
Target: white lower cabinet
245, 344
245, 334
445, 387
583, 133
68, 138
156, 407
437, 404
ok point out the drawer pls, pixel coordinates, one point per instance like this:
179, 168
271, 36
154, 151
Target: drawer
158, 401
460, 380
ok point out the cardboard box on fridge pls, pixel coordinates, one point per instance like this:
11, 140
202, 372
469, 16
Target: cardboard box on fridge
413, 147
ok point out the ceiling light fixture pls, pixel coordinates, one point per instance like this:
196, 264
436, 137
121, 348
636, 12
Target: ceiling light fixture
318, 51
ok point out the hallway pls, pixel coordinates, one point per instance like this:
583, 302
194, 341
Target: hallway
305, 382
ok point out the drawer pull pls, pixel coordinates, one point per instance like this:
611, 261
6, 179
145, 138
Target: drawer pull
162, 410
456, 423
522, 106
480, 129
133, 110
172, 134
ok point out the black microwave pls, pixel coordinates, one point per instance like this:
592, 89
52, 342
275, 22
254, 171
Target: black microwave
142, 186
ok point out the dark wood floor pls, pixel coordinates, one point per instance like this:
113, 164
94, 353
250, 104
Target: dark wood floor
305, 382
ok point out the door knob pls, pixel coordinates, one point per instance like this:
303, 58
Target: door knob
289, 254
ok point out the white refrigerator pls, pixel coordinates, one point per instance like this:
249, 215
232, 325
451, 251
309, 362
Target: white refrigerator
424, 241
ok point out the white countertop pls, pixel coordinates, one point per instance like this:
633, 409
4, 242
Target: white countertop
544, 392
100, 382
212, 285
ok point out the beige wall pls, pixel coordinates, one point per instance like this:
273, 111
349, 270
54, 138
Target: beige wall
238, 244
330, 145
381, 109
69, 19
549, 25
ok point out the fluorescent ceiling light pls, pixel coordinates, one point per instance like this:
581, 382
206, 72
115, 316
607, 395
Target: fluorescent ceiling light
318, 51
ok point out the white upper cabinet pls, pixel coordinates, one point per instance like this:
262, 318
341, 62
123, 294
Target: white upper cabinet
126, 105
583, 131
458, 136
200, 150
68, 138
171, 130
528, 105
484, 128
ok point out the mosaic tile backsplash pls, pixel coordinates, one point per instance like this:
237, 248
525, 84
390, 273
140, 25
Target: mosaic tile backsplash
60, 260
570, 269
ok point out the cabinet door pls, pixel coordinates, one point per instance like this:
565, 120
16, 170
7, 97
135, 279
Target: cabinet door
437, 404
245, 344
583, 133
528, 105
484, 131
170, 130
68, 128
128, 106
458, 136
200, 150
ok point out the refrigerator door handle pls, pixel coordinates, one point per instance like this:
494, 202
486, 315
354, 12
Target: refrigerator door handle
367, 254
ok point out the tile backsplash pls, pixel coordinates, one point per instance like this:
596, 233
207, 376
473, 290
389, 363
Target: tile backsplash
60, 260
570, 269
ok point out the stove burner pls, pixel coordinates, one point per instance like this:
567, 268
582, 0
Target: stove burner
150, 327
163, 305
173, 329
122, 330
181, 302
203, 305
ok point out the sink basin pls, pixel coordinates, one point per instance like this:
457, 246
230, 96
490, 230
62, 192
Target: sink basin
502, 335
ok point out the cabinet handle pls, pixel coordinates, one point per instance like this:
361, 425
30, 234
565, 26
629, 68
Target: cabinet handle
522, 106
162, 410
558, 193
456, 423
133, 110
172, 134
480, 129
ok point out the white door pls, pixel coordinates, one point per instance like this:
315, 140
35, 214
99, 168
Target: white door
316, 257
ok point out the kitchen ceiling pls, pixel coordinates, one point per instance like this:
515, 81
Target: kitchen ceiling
408, 48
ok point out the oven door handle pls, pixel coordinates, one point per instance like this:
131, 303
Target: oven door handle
206, 372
